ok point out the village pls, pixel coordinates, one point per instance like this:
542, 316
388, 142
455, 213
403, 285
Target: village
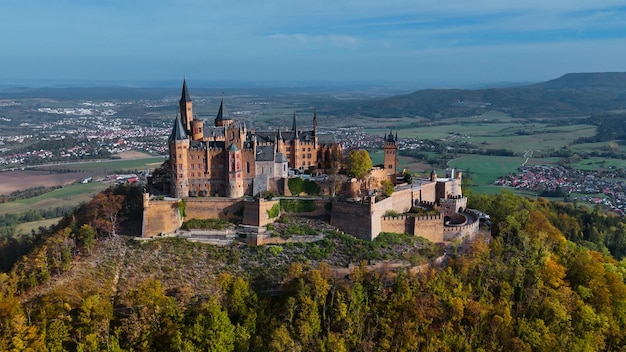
605, 188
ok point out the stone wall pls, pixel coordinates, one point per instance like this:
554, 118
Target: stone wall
402, 199
453, 232
398, 224
429, 227
352, 218
160, 216
428, 193
213, 207
255, 212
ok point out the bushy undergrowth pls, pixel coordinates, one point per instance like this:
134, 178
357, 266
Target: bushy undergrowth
206, 224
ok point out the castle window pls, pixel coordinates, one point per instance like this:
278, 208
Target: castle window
180, 167
309, 149
248, 167
309, 155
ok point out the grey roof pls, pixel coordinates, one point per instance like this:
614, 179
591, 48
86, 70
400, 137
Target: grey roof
178, 131
197, 145
213, 131
222, 114
233, 148
265, 153
185, 94
326, 138
216, 144
390, 137
266, 136
280, 158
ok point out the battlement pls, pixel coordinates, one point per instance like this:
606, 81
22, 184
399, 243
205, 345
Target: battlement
413, 218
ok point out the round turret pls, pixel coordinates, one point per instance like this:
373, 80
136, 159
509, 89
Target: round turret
196, 129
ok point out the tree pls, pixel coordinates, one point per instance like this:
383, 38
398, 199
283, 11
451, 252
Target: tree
388, 187
102, 212
359, 163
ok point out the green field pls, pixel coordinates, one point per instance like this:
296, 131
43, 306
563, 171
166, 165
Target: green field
109, 166
71, 195
486, 169
27, 227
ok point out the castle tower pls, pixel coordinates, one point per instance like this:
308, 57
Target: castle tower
235, 173
390, 146
196, 129
433, 176
222, 118
186, 107
315, 127
179, 148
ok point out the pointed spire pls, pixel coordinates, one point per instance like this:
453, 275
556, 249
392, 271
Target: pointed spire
178, 131
221, 113
185, 94
294, 126
396, 135
280, 134
314, 121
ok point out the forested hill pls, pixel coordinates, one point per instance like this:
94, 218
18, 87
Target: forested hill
545, 282
574, 94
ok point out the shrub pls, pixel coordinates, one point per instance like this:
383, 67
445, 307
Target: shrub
274, 211
298, 185
298, 205
205, 224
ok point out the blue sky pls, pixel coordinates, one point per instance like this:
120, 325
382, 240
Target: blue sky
421, 42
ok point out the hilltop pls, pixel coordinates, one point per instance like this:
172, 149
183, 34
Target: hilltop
573, 94
528, 289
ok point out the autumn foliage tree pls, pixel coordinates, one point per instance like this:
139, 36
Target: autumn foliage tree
359, 163
103, 212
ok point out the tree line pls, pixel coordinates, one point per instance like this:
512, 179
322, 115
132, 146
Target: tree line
527, 289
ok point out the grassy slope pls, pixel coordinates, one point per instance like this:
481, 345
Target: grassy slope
70, 195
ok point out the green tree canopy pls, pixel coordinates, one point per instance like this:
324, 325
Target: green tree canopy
359, 163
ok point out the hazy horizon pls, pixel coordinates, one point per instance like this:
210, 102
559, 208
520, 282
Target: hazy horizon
425, 44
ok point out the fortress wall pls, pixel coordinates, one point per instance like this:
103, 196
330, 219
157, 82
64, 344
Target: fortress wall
454, 232
159, 216
429, 227
377, 211
398, 224
402, 200
209, 208
450, 206
457, 219
352, 218
255, 213
428, 193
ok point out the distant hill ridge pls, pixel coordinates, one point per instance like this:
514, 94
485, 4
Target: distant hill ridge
573, 94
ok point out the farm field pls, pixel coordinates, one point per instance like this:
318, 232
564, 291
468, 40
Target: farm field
11, 181
71, 195
485, 169
26, 228
15, 180
109, 166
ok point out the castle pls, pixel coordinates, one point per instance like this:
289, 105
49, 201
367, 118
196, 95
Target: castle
214, 168
230, 160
